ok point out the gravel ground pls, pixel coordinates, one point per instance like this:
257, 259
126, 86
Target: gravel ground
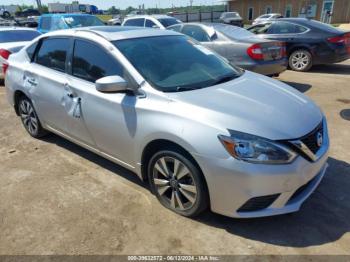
57, 198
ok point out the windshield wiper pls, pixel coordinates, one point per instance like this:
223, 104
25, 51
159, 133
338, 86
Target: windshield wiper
224, 79
184, 88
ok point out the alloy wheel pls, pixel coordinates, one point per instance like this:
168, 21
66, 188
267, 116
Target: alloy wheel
300, 60
174, 183
28, 116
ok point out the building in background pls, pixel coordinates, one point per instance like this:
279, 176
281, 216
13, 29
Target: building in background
74, 7
328, 11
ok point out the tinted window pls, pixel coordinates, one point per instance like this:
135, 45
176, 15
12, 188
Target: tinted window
187, 66
176, 28
168, 21
91, 62
233, 32
149, 23
135, 22
17, 35
31, 50
196, 32
82, 21
300, 29
260, 29
282, 28
45, 23
53, 53
324, 27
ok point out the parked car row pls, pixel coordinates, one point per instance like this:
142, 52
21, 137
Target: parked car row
12, 39
203, 132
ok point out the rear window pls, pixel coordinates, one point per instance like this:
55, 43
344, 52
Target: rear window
82, 21
135, 22
45, 23
324, 27
168, 21
17, 35
233, 32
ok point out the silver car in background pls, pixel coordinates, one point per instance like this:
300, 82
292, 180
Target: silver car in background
239, 46
266, 17
201, 131
12, 39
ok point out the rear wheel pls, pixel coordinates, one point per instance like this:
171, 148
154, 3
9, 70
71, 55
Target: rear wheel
300, 60
29, 118
6, 14
178, 183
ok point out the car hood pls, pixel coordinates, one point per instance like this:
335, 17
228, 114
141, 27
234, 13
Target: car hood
252, 104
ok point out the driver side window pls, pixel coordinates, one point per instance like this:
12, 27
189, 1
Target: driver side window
91, 62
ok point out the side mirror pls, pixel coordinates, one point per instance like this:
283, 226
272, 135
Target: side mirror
110, 84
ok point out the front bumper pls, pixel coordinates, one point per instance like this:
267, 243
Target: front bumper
232, 183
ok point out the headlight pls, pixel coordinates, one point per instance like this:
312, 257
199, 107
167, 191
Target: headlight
256, 149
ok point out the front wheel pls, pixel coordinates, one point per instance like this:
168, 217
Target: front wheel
178, 183
300, 60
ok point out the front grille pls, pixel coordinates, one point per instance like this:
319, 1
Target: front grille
310, 140
258, 203
300, 191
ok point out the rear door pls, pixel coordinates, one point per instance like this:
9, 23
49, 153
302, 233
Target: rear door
47, 77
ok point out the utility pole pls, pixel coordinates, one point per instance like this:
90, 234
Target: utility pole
38, 3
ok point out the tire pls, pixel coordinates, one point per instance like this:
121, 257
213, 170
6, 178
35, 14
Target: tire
6, 14
300, 60
30, 118
185, 191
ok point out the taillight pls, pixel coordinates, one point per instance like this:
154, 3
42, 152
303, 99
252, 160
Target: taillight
336, 40
255, 52
5, 53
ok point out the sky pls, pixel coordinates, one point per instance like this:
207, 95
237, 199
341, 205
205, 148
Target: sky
105, 4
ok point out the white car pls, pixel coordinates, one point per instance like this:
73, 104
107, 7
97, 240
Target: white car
266, 17
152, 21
12, 39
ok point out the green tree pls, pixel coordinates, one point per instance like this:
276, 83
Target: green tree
113, 11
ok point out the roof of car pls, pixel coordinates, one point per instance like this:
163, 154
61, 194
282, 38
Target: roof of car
154, 16
68, 14
114, 33
10, 28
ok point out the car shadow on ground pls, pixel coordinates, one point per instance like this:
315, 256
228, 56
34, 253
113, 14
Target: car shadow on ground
299, 86
324, 217
338, 69
98, 160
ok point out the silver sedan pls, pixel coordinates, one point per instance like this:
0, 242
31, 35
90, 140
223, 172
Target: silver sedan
239, 46
201, 131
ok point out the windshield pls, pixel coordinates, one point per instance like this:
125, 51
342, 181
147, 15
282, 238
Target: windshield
232, 15
82, 21
17, 35
168, 21
176, 63
233, 32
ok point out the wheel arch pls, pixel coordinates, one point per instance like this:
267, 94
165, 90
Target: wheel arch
17, 95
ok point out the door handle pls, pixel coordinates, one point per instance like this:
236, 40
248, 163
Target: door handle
70, 95
32, 81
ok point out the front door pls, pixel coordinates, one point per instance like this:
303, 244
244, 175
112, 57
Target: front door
104, 119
